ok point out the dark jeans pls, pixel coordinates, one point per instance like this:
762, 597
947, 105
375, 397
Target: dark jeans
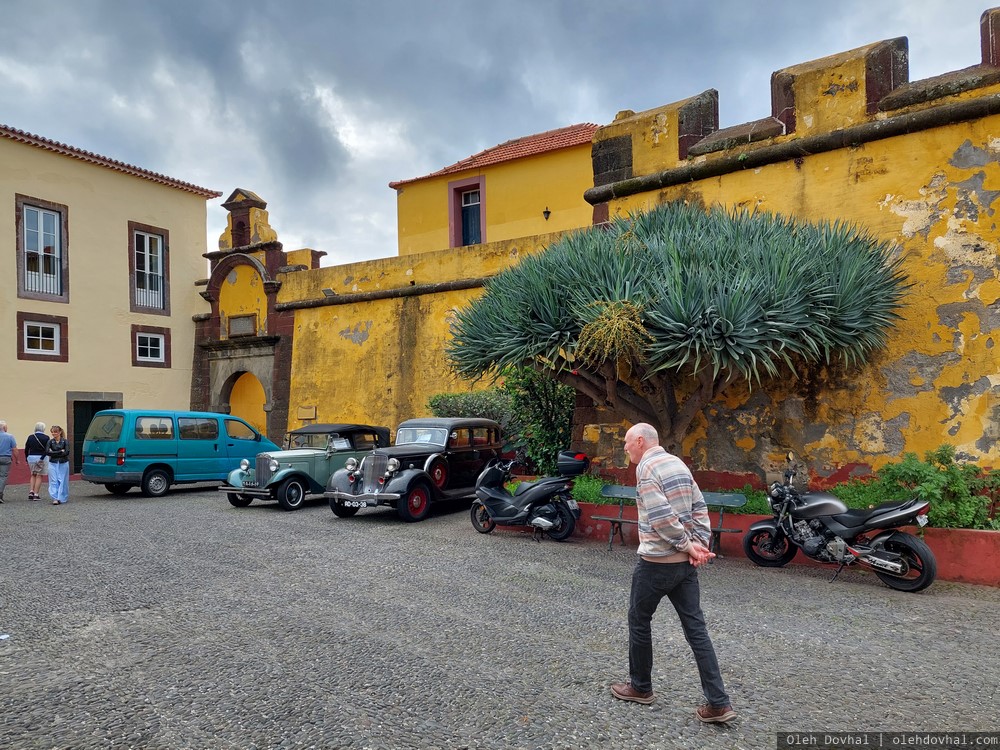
679, 583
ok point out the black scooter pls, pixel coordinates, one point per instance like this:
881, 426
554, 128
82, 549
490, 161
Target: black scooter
543, 504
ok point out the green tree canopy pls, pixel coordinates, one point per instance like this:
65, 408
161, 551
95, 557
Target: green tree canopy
654, 314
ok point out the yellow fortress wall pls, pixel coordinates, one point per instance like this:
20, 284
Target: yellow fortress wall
916, 163
848, 137
371, 349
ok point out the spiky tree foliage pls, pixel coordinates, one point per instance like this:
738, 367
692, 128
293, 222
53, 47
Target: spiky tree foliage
655, 314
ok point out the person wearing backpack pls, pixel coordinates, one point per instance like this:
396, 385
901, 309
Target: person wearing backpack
34, 454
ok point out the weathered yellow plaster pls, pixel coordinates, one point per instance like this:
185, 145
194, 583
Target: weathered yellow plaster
515, 196
242, 293
247, 400
260, 228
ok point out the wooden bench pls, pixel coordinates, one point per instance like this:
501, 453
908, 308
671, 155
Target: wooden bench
720, 500
623, 493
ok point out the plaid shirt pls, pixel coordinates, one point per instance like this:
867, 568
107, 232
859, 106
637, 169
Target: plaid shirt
672, 510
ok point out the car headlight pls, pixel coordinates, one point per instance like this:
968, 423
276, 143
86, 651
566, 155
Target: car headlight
393, 465
272, 465
244, 464
351, 464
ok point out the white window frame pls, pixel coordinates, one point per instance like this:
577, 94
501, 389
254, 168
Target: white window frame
53, 328
161, 342
41, 225
144, 296
42, 281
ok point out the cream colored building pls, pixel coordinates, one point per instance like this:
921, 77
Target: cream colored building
98, 264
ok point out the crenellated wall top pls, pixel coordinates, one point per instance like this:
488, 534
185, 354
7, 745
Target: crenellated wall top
843, 99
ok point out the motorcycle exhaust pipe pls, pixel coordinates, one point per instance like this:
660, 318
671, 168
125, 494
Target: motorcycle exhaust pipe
877, 562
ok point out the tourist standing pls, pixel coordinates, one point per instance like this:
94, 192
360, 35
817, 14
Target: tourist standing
34, 454
57, 451
8, 455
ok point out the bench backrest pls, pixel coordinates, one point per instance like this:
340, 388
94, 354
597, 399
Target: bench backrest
712, 499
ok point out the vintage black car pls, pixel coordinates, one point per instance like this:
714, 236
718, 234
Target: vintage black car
311, 454
432, 459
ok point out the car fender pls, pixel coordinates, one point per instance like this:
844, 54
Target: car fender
431, 459
339, 481
403, 481
236, 477
282, 475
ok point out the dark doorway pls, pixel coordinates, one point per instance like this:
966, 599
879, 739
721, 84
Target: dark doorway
83, 415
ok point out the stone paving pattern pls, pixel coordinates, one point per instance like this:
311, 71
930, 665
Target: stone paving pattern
182, 622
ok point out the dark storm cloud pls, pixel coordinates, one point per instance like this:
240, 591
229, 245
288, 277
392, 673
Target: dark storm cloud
313, 103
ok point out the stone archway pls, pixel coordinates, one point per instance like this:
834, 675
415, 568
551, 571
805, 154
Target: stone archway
251, 363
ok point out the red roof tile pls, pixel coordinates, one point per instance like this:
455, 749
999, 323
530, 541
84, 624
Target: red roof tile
61, 148
529, 145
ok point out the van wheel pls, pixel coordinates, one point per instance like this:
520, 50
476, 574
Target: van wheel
292, 494
155, 483
117, 488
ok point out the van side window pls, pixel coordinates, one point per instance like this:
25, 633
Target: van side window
154, 428
238, 430
198, 428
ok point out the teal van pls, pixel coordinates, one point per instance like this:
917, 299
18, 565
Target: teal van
152, 450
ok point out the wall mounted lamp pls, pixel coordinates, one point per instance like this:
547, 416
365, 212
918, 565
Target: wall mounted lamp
546, 213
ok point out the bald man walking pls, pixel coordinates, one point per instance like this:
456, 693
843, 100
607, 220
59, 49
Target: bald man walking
674, 534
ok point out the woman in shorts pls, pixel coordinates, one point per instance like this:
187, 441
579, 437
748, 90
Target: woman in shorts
34, 451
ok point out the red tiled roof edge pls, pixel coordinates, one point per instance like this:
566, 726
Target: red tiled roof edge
529, 145
76, 153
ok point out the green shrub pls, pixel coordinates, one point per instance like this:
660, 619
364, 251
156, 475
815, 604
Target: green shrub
533, 410
757, 502
867, 493
495, 403
587, 489
544, 409
951, 487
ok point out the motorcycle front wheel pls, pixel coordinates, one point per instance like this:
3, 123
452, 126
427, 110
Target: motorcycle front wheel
919, 565
481, 519
764, 551
566, 525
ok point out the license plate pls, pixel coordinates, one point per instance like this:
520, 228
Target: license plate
922, 520
355, 504
98, 459
572, 504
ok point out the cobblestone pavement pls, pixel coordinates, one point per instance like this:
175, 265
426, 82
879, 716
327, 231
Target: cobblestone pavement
182, 622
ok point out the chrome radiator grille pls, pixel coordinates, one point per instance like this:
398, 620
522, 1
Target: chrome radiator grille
262, 474
374, 470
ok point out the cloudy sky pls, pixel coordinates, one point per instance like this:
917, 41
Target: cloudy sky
316, 105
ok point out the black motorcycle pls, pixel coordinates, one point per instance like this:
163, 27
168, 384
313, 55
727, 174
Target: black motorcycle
821, 526
544, 504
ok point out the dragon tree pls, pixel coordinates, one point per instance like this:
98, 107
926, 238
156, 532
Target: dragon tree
654, 315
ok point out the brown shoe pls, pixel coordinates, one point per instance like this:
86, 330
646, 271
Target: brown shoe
624, 691
716, 714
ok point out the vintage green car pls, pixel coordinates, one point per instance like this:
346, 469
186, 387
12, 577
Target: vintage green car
311, 454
